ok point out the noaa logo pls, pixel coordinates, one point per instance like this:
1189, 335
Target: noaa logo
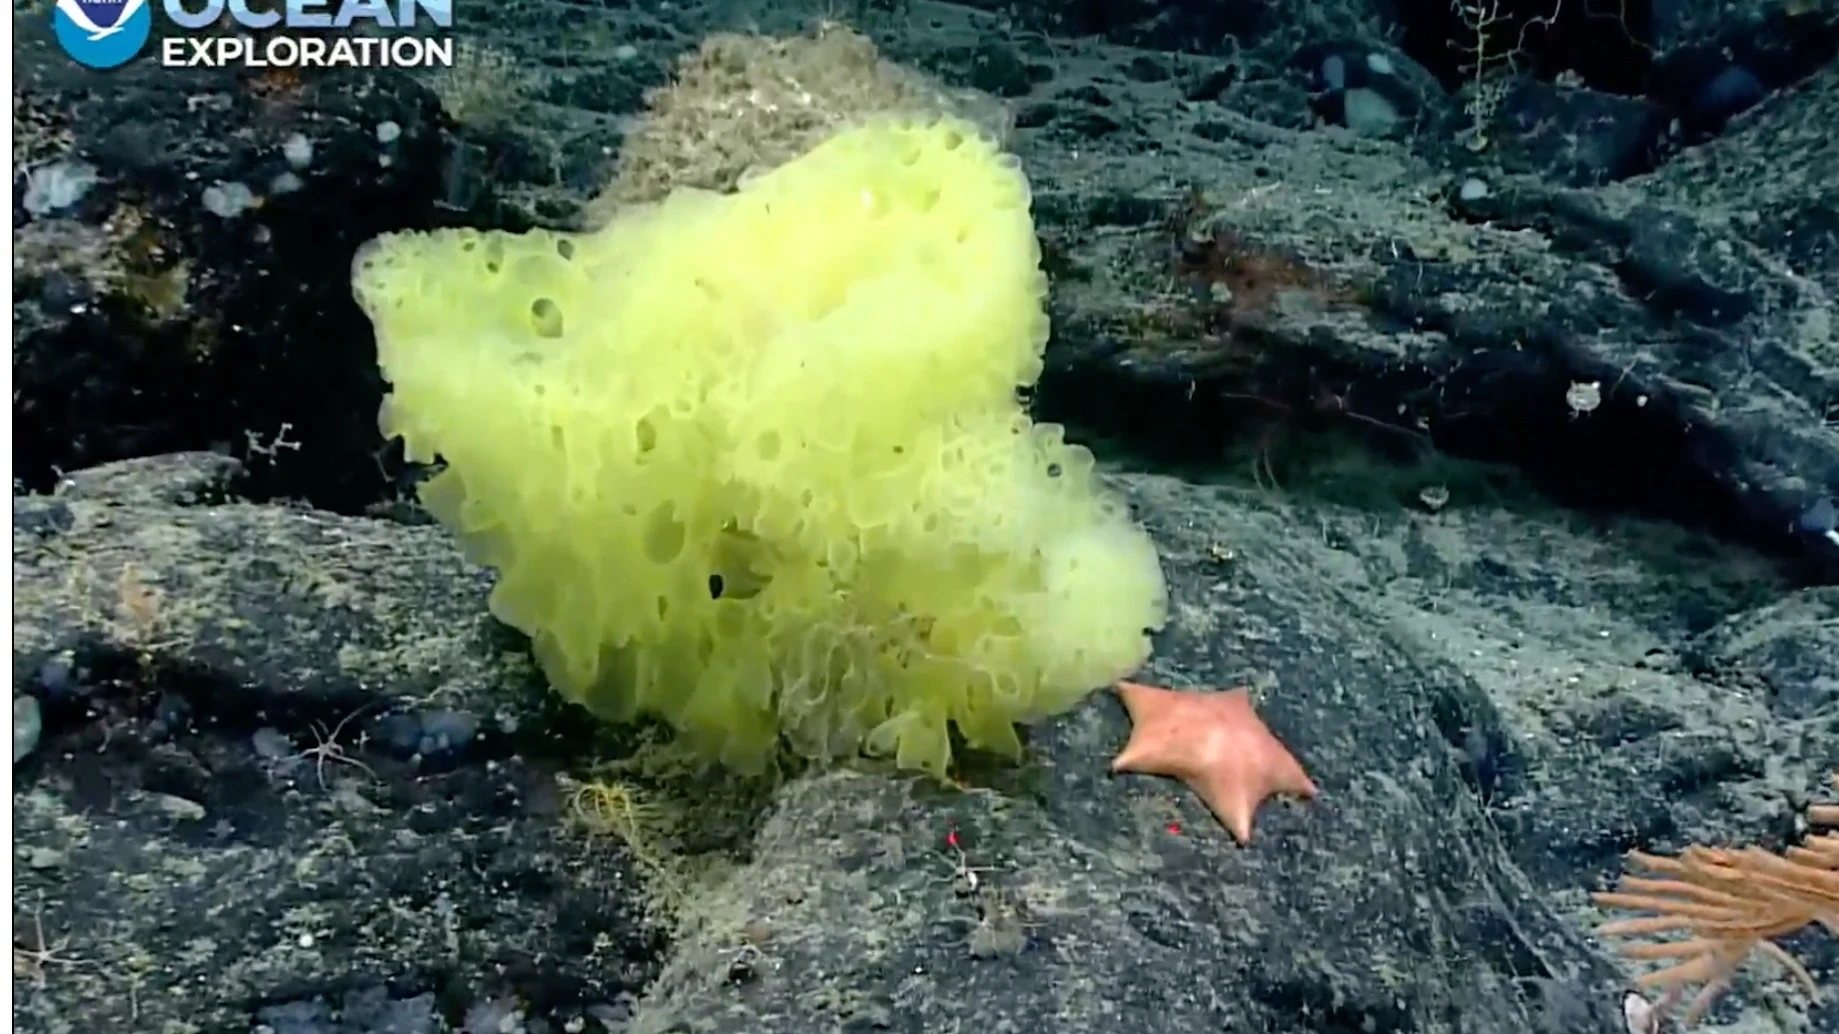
102, 33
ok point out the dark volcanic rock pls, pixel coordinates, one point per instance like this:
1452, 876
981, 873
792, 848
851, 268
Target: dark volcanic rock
1452, 308
195, 295
1663, 345
227, 825
263, 860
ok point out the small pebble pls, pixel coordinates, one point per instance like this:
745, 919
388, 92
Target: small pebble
228, 200
58, 185
57, 677
173, 714
1820, 517
1334, 72
179, 807
27, 727
445, 732
399, 735
298, 150
272, 744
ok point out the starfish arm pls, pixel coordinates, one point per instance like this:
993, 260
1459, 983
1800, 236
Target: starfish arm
1233, 801
1234, 793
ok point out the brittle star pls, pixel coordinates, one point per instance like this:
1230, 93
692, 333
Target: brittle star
32, 962
328, 749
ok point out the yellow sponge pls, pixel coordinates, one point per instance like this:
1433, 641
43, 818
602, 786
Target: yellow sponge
754, 463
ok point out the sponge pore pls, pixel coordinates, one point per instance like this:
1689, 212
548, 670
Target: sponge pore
754, 463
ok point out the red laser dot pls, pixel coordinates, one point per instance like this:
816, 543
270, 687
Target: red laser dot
1175, 828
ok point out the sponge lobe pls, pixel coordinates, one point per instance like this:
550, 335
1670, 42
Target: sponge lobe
754, 463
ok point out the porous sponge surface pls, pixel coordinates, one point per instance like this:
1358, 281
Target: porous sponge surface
754, 463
